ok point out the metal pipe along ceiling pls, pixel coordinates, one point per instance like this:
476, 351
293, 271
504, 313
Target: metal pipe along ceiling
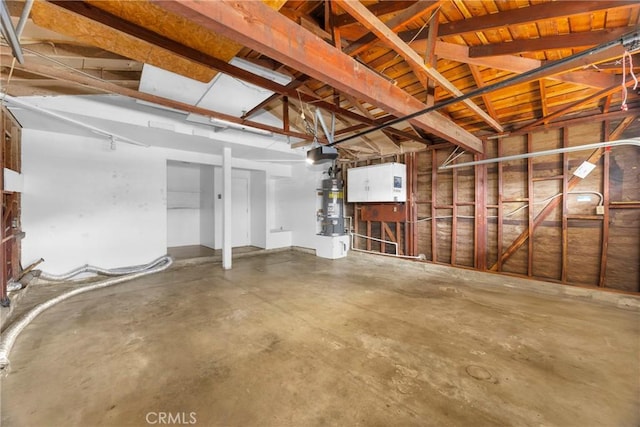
630, 141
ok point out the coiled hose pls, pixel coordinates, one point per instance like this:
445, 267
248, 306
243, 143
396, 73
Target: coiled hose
125, 274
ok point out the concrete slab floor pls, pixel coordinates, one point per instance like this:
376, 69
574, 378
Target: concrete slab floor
288, 339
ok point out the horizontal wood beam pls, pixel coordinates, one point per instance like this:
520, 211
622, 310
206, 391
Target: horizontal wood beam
531, 14
565, 41
384, 33
257, 27
514, 64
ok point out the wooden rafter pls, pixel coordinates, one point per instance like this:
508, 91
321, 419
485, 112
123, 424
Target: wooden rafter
378, 9
598, 95
430, 57
373, 24
565, 41
136, 34
295, 84
367, 113
477, 77
531, 14
515, 64
543, 97
256, 26
411, 14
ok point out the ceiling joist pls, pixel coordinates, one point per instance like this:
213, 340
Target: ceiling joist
134, 35
373, 24
564, 41
530, 14
260, 28
418, 10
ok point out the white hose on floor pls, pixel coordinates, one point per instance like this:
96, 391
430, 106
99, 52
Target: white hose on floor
11, 334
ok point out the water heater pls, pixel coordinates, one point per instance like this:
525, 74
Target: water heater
332, 214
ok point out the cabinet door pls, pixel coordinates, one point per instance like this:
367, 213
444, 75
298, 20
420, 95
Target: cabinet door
380, 183
357, 185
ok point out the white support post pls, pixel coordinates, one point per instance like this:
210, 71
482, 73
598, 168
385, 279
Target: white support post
226, 209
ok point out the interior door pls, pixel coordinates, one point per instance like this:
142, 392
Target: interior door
240, 212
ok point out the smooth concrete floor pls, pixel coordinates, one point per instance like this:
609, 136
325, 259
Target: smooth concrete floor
198, 251
288, 339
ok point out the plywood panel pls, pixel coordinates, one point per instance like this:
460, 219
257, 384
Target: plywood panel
444, 235
547, 248
625, 174
623, 256
464, 236
585, 240
54, 18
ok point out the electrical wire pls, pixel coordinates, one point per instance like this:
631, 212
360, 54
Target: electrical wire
625, 56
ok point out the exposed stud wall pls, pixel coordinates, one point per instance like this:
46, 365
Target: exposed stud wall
567, 244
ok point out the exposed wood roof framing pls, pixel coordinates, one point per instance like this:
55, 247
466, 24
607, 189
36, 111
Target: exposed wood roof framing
368, 62
268, 32
383, 32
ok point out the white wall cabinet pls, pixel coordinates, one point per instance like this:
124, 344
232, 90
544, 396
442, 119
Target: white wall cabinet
377, 183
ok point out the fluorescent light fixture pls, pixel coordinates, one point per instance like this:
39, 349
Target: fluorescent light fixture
321, 154
223, 124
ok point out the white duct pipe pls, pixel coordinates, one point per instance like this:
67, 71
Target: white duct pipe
10, 336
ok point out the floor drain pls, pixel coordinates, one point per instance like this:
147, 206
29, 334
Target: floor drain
478, 372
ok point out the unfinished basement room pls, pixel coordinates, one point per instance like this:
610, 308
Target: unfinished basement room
320, 213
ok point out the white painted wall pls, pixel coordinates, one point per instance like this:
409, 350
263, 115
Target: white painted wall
207, 206
278, 230
183, 204
83, 203
258, 194
300, 202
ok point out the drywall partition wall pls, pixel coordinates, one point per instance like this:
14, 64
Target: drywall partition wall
85, 203
207, 206
302, 202
258, 195
278, 221
183, 204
